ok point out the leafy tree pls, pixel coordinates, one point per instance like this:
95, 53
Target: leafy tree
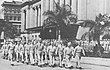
60, 17
9, 30
97, 28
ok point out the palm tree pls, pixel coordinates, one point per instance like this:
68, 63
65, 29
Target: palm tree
60, 17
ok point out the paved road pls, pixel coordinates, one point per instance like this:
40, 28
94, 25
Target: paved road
94, 65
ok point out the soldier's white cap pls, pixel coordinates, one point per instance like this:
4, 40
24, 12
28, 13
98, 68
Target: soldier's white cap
69, 43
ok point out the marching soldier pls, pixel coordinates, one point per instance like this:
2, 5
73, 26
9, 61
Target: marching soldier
35, 52
31, 49
39, 52
61, 53
26, 48
45, 52
68, 51
21, 48
17, 50
11, 51
4, 47
6, 50
78, 51
52, 51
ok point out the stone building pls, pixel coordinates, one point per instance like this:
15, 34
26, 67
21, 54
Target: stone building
89, 9
11, 12
32, 11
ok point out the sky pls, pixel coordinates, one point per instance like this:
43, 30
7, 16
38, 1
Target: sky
1, 1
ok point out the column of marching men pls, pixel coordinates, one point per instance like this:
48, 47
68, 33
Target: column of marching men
43, 52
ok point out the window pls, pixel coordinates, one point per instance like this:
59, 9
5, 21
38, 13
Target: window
10, 18
19, 26
19, 30
16, 26
35, 35
19, 18
15, 18
18, 12
14, 11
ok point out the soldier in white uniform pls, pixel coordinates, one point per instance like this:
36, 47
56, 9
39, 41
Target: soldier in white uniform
26, 47
61, 53
39, 53
17, 50
4, 50
31, 49
45, 52
52, 52
35, 53
78, 53
11, 51
21, 48
68, 52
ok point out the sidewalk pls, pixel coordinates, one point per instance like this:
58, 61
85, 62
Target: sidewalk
96, 61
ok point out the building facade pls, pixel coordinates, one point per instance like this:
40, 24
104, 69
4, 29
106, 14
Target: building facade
89, 9
32, 10
11, 11
32, 13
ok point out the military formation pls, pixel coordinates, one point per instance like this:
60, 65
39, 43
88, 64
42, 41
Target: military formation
43, 52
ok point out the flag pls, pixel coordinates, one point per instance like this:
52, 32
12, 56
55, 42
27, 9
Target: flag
81, 31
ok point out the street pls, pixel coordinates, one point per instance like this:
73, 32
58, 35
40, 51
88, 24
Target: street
88, 63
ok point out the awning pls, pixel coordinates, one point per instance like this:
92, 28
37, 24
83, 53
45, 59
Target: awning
35, 29
85, 22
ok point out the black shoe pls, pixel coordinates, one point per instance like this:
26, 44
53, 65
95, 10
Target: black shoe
27, 63
61, 66
32, 64
12, 64
22, 62
79, 67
